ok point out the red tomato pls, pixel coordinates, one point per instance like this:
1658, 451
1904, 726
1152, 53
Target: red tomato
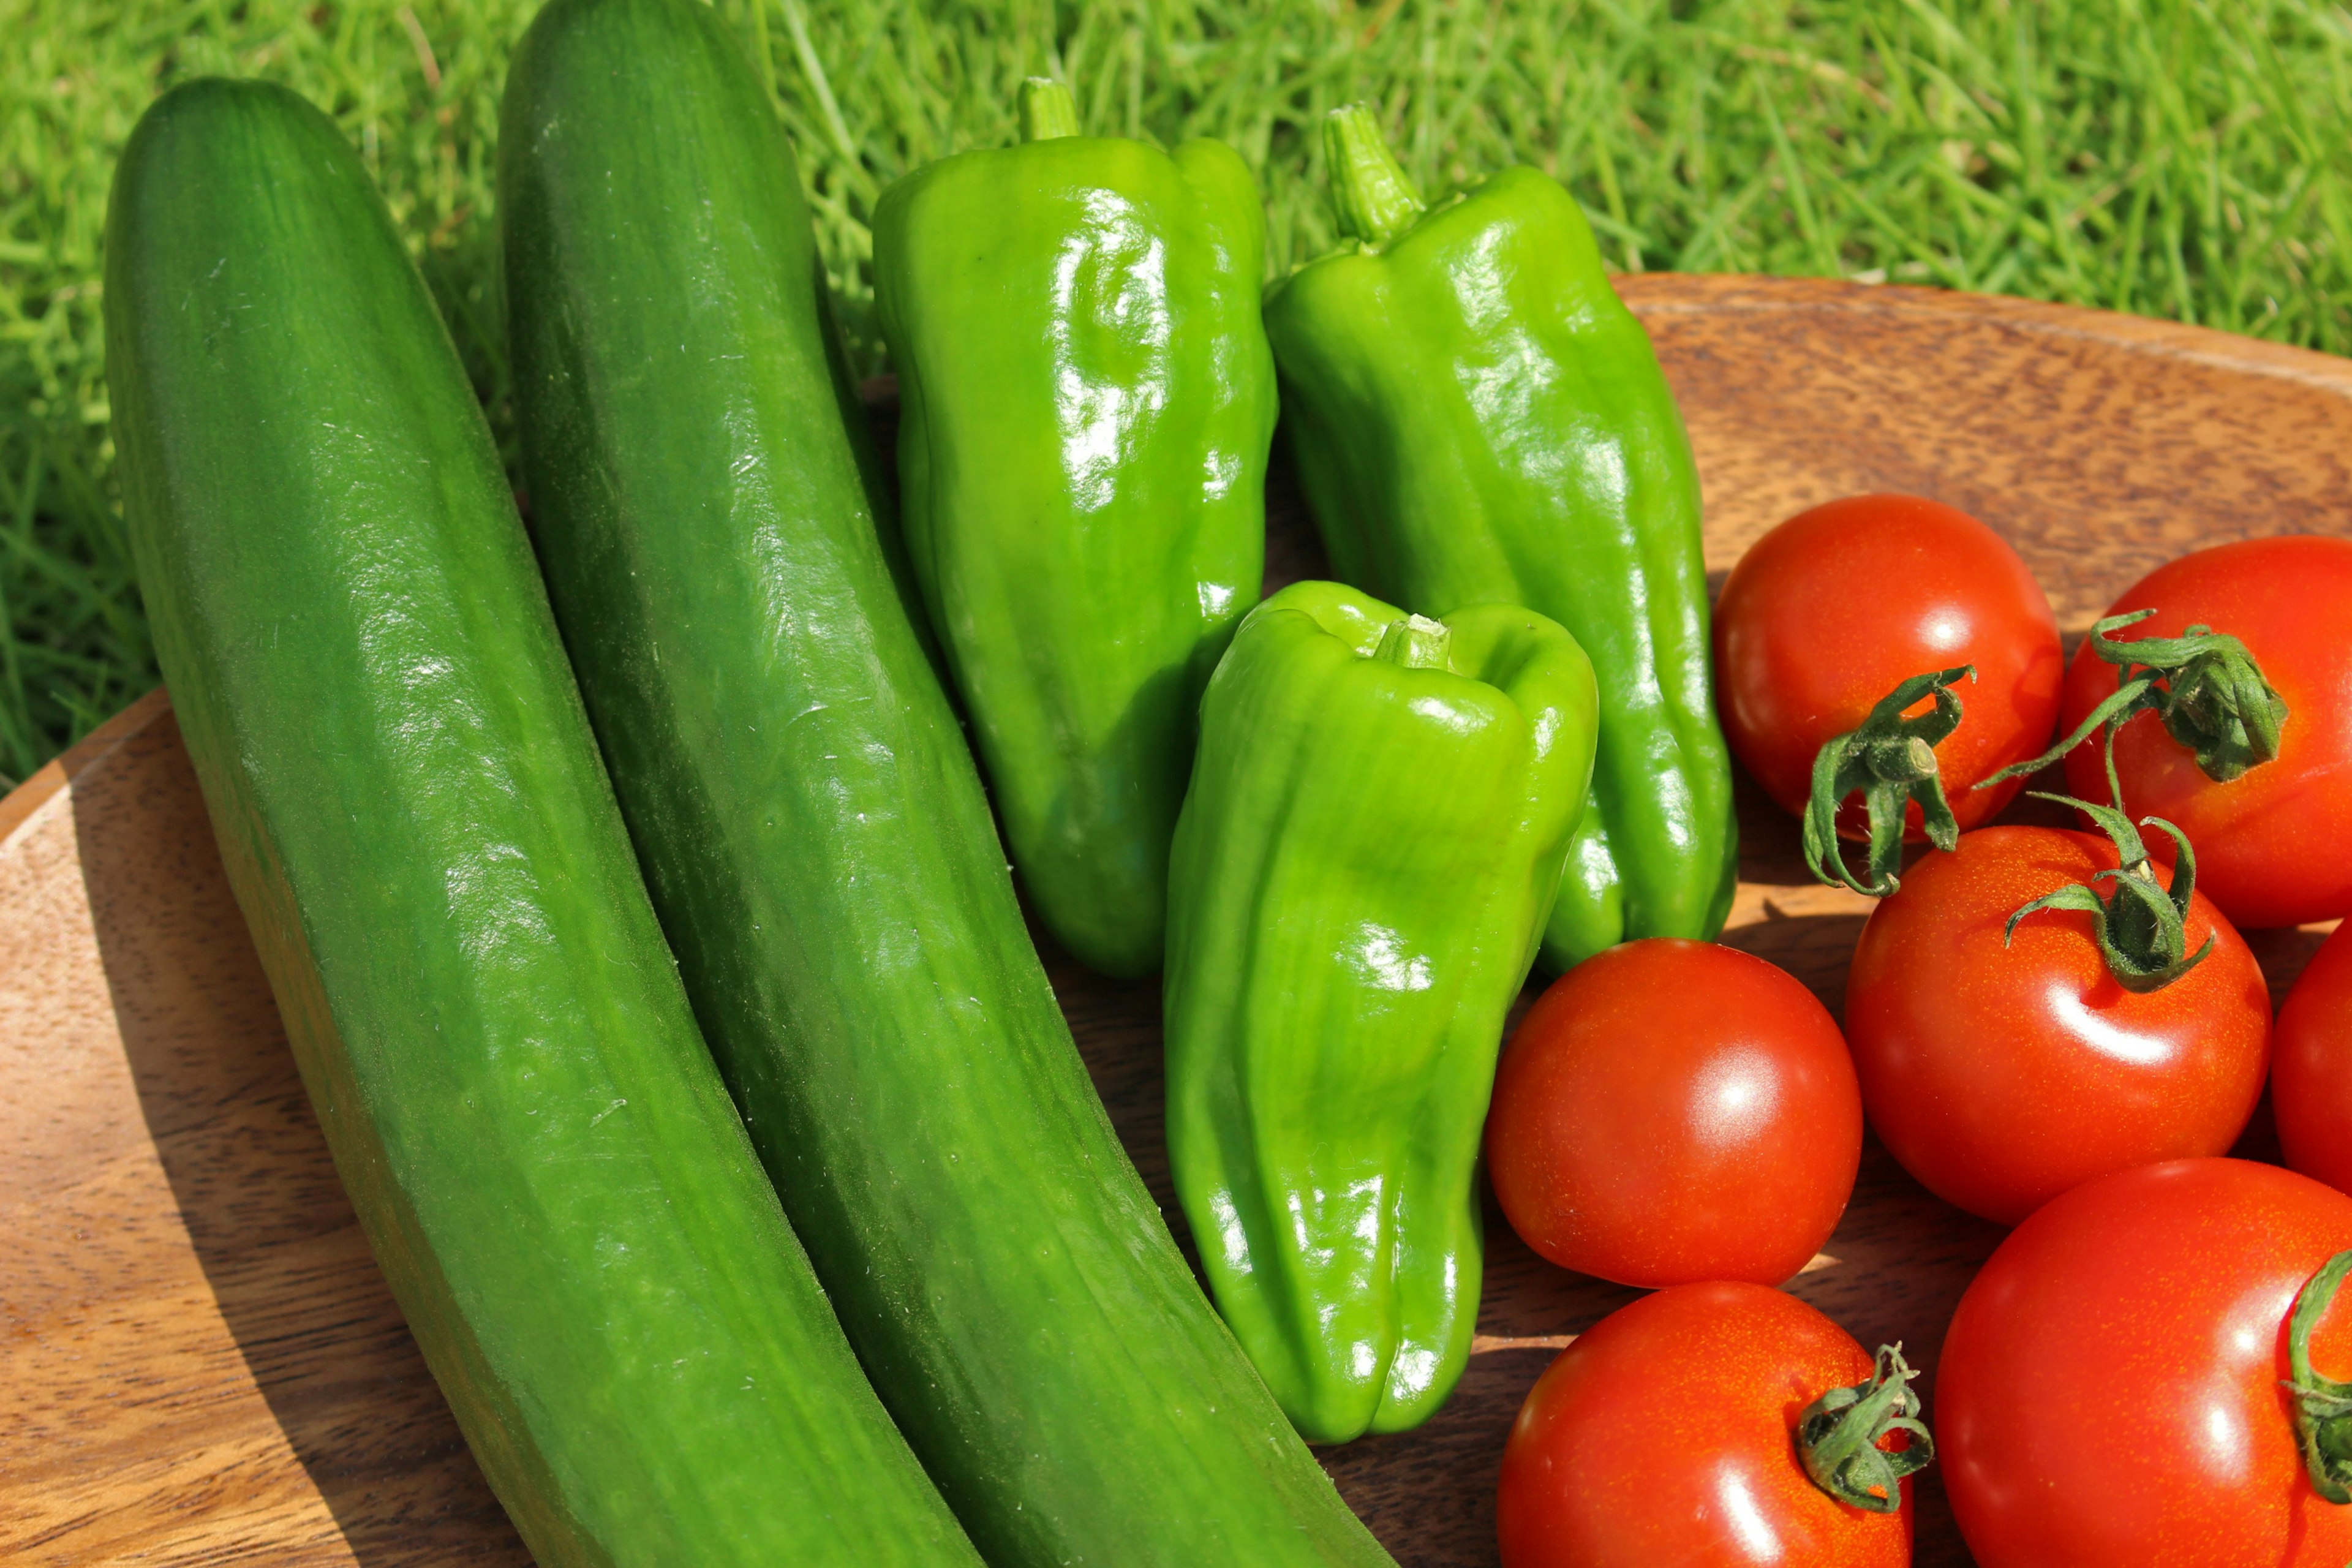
2108, 1395
2001, 1075
1837, 607
2272, 844
1673, 1110
2311, 1071
1664, 1436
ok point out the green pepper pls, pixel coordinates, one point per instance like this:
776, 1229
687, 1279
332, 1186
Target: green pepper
1377, 822
1087, 403
1477, 418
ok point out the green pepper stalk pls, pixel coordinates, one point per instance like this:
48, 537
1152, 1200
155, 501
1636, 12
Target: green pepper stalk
1890, 761
1477, 419
1377, 821
1839, 1433
1086, 401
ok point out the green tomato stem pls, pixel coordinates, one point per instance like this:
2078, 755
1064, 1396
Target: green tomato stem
2141, 928
1890, 761
2203, 686
1839, 1433
2323, 1406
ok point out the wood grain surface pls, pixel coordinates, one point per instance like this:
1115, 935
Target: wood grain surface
199, 1363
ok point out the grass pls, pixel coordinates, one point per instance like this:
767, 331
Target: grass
2181, 158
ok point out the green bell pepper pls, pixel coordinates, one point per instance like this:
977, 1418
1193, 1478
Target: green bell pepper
1087, 403
1378, 819
1477, 418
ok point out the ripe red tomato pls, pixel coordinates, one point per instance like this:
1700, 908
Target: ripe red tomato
1673, 1110
2001, 1076
2271, 844
1664, 1434
2311, 1068
2108, 1395
1835, 607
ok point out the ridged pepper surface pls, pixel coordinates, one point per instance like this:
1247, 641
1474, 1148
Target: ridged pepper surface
1086, 401
1377, 821
1476, 418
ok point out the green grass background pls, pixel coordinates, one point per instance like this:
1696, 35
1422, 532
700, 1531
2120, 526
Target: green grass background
2181, 158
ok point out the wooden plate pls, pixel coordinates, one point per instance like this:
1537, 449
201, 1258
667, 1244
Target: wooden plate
200, 1363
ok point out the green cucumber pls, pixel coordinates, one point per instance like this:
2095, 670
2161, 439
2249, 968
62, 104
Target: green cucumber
414, 820
814, 833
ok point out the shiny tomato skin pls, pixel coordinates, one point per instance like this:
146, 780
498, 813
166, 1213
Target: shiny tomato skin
2272, 844
1671, 1111
2108, 1394
2311, 1067
1832, 609
1664, 1434
2001, 1076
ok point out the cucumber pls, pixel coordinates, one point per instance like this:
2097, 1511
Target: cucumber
414, 823
813, 830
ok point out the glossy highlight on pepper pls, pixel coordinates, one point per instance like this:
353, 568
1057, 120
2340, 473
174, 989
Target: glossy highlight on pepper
1477, 418
1375, 830
1086, 401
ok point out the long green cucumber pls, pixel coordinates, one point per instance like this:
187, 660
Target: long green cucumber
414, 820
815, 837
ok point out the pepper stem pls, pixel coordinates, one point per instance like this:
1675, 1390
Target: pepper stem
1838, 1436
1047, 109
1890, 761
2323, 1406
1415, 642
2141, 928
2205, 688
1374, 195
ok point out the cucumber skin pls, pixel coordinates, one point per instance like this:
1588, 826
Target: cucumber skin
813, 830
414, 823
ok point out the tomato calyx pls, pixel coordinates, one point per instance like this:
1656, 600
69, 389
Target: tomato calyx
2141, 928
1838, 1436
2203, 686
1890, 761
2323, 1406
